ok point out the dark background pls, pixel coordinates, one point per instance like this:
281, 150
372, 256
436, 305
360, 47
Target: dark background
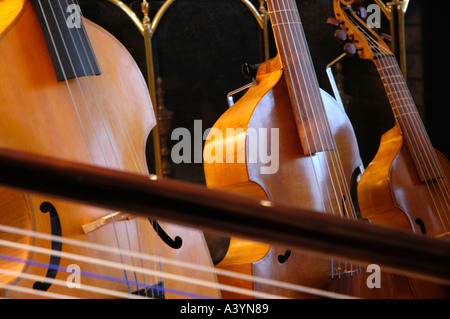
200, 45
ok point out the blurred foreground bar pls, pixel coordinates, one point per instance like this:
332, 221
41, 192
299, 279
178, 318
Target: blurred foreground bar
229, 214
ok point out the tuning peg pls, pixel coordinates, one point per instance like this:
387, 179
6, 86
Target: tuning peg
386, 37
350, 49
341, 35
333, 22
362, 13
249, 71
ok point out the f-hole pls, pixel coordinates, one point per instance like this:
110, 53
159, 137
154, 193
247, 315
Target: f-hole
53, 265
421, 225
173, 243
283, 258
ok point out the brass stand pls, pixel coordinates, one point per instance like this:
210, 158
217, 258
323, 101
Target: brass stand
163, 116
395, 12
148, 33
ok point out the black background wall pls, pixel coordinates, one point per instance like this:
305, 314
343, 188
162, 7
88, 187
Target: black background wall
200, 45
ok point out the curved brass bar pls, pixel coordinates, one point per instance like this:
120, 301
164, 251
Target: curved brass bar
255, 13
157, 18
386, 10
147, 30
398, 7
168, 3
261, 18
130, 13
405, 5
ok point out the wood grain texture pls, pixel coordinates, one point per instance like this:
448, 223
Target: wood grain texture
97, 120
304, 181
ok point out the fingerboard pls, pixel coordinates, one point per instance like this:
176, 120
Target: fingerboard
68, 44
304, 92
408, 118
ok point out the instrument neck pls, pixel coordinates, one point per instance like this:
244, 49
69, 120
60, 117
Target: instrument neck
309, 112
408, 118
66, 38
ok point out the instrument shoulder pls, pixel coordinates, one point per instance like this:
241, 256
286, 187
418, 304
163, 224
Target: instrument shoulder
9, 13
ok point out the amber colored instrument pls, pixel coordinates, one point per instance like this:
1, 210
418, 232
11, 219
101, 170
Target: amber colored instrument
406, 184
69, 90
313, 155
190, 204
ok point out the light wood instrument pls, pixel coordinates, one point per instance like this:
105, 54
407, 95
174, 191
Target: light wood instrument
316, 152
71, 91
406, 185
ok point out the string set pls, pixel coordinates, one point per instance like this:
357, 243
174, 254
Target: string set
408, 117
166, 261
97, 132
285, 18
339, 194
130, 257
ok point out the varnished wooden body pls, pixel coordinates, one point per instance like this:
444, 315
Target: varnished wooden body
391, 193
406, 185
99, 120
267, 105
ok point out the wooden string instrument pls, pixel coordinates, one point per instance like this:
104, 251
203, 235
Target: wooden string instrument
69, 90
316, 150
406, 184
190, 204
